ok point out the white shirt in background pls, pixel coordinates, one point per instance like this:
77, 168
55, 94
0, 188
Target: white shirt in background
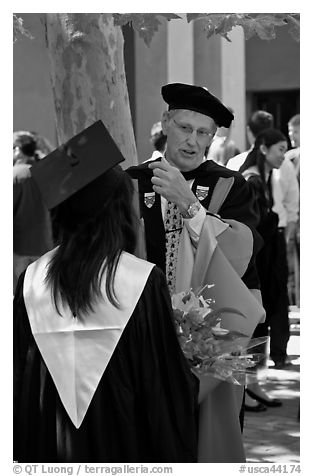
285, 188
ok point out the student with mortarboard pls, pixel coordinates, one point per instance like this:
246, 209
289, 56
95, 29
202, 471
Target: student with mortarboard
99, 375
180, 194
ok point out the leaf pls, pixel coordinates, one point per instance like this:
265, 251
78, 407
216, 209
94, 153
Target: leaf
19, 30
220, 24
294, 27
195, 16
263, 25
145, 23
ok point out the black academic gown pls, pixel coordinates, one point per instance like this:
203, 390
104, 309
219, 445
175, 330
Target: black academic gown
239, 205
145, 406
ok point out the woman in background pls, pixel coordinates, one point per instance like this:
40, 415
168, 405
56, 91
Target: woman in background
268, 154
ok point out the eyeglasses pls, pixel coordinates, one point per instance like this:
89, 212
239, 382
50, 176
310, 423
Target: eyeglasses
188, 130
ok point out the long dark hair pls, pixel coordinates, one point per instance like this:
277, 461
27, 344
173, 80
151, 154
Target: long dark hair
91, 242
267, 137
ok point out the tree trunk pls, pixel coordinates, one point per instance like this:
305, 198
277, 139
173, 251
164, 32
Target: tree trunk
89, 83
88, 77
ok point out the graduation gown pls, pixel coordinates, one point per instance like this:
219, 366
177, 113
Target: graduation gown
144, 408
226, 259
238, 205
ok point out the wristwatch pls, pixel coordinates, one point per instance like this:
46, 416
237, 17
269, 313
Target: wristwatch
192, 210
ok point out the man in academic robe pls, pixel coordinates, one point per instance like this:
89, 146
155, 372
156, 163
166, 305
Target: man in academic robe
182, 176
180, 189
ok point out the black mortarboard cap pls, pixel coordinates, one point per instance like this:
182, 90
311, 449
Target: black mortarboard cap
77, 163
198, 99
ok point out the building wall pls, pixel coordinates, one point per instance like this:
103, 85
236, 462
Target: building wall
207, 60
220, 66
33, 107
150, 75
273, 64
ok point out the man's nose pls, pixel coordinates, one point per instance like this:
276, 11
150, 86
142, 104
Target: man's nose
192, 138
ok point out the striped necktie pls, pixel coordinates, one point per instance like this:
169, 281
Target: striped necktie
173, 224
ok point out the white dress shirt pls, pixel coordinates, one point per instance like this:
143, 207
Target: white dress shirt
285, 188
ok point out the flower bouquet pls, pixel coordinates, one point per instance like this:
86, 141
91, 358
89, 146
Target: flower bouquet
210, 348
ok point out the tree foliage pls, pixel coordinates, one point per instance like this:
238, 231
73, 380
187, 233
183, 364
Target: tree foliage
262, 25
145, 23
18, 29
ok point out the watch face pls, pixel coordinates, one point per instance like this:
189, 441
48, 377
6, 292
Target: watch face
193, 209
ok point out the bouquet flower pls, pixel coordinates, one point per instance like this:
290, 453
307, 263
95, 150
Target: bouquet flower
211, 349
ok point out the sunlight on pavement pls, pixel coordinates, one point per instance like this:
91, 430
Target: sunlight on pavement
274, 435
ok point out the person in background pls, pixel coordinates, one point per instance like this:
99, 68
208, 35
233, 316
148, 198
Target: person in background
32, 233
286, 204
294, 134
268, 154
157, 139
293, 250
223, 147
99, 375
259, 120
44, 146
285, 192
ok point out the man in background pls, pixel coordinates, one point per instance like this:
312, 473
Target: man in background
223, 147
292, 159
258, 121
157, 139
32, 235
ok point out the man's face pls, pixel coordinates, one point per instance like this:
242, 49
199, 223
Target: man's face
188, 133
294, 135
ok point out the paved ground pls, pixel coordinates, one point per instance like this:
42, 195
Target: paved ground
274, 435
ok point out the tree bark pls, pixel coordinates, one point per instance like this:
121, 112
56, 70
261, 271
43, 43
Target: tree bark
89, 83
88, 77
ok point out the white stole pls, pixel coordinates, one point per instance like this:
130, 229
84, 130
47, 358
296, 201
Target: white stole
77, 351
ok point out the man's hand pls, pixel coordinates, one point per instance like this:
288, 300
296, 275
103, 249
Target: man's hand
170, 183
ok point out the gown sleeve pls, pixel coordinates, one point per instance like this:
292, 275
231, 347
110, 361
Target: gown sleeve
144, 409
